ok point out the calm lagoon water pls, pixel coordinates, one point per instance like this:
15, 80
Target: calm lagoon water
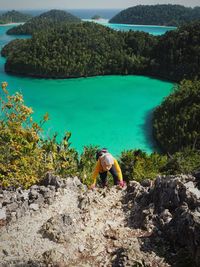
152, 29
110, 111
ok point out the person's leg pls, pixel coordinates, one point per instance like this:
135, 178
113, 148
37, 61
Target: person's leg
103, 176
114, 175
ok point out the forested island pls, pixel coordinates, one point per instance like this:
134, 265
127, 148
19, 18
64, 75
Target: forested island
88, 49
79, 50
46, 20
168, 15
14, 17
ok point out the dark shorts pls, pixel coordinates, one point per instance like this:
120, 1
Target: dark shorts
103, 176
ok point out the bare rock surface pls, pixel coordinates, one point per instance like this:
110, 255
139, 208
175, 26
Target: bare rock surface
22, 240
133, 226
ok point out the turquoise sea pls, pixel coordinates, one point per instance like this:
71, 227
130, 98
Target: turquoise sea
110, 111
152, 29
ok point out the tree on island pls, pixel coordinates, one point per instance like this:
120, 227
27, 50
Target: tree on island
46, 20
79, 50
176, 121
88, 49
169, 15
14, 17
96, 17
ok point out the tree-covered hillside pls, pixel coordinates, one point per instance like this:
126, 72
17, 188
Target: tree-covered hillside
13, 16
176, 55
177, 120
46, 20
88, 49
77, 50
173, 15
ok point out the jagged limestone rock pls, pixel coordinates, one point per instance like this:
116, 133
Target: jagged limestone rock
58, 228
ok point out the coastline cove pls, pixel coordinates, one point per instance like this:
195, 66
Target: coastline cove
110, 111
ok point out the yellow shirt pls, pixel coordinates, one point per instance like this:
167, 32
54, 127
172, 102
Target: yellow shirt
98, 169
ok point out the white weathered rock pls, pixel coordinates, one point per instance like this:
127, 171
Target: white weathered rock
2, 214
34, 207
81, 248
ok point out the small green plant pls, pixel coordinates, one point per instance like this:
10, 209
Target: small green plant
186, 161
138, 165
59, 157
87, 164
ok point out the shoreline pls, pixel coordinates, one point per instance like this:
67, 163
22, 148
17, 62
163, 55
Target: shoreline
43, 77
106, 22
12, 23
143, 25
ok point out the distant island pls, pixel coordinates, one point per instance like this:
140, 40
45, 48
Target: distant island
89, 49
46, 20
14, 17
96, 17
168, 15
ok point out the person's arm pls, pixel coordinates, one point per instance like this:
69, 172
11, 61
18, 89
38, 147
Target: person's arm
118, 169
96, 172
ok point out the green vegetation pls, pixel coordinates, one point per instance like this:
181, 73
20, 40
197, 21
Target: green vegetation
138, 165
176, 55
88, 49
46, 20
12, 47
77, 50
173, 15
87, 164
186, 161
24, 156
176, 121
13, 17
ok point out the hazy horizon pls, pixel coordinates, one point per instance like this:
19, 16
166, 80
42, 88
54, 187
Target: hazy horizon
87, 4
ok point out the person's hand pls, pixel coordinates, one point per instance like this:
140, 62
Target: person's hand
121, 183
93, 186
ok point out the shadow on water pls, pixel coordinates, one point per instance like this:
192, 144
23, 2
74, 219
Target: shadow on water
147, 130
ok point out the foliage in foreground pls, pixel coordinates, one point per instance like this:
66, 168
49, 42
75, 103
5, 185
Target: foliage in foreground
87, 164
138, 165
186, 162
24, 156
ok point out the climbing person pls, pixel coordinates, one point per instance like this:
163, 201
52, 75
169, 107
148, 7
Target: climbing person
106, 162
